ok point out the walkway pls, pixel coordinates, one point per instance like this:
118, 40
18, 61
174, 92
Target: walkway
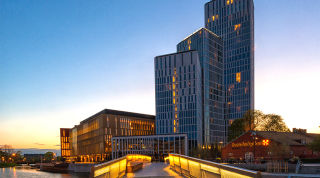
154, 169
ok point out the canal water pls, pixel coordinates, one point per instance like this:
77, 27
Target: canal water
33, 173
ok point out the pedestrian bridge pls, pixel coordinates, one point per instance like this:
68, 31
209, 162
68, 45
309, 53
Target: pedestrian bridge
175, 166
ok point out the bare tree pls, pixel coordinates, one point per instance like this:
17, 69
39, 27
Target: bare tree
7, 149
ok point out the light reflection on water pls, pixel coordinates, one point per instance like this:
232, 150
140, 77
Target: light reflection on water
33, 173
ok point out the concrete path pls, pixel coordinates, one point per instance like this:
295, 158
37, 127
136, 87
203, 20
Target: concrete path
155, 169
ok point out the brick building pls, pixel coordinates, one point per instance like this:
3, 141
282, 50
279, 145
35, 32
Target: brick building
270, 145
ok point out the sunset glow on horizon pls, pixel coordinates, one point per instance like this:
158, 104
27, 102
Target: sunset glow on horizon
64, 61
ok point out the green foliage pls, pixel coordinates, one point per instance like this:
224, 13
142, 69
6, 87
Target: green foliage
315, 145
275, 123
256, 120
237, 128
4, 165
211, 153
48, 156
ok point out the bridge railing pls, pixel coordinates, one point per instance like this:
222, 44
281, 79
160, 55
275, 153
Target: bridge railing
193, 167
116, 167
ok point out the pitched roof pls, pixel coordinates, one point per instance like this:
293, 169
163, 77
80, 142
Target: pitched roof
289, 138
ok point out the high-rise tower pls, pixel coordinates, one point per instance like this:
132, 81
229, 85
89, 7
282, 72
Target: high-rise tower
233, 21
190, 91
210, 49
178, 95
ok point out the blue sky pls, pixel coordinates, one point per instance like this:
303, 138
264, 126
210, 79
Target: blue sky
63, 61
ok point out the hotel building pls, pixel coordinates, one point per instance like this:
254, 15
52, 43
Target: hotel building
233, 21
189, 90
225, 50
178, 95
90, 141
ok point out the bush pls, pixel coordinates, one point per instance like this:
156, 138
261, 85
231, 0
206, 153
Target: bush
4, 165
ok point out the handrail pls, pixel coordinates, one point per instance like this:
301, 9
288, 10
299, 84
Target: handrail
113, 168
194, 167
116, 167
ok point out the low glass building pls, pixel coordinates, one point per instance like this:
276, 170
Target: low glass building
90, 141
156, 146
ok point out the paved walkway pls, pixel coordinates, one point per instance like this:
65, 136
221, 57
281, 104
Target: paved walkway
155, 169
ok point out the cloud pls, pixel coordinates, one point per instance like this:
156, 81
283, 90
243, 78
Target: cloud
40, 144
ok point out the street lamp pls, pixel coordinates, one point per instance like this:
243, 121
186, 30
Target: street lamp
254, 136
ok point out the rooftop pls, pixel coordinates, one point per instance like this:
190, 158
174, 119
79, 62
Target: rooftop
289, 138
175, 53
201, 29
122, 113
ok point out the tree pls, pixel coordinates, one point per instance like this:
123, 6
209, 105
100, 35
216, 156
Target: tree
209, 153
18, 156
275, 123
236, 129
315, 144
48, 156
253, 120
7, 149
258, 121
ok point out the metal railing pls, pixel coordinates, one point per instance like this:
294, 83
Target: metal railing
193, 167
116, 167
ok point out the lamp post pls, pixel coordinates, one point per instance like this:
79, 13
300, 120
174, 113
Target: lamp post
254, 136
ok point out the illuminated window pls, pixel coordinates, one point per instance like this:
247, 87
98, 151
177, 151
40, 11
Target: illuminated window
237, 27
213, 18
238, 77
189, 44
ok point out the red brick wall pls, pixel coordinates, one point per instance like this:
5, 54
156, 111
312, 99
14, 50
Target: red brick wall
238, 152
303, 152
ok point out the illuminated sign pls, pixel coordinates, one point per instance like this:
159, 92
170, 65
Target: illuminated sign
265, 142
250, 144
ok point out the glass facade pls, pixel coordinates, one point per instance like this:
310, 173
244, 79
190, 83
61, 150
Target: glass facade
178, 95
233, 21
209, 47
65, 134
90, 141
156, 146
189, 90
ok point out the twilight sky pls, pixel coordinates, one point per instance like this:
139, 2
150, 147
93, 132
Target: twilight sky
63, 61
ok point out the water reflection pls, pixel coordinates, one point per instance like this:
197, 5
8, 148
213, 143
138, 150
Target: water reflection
27, 172
14, 172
